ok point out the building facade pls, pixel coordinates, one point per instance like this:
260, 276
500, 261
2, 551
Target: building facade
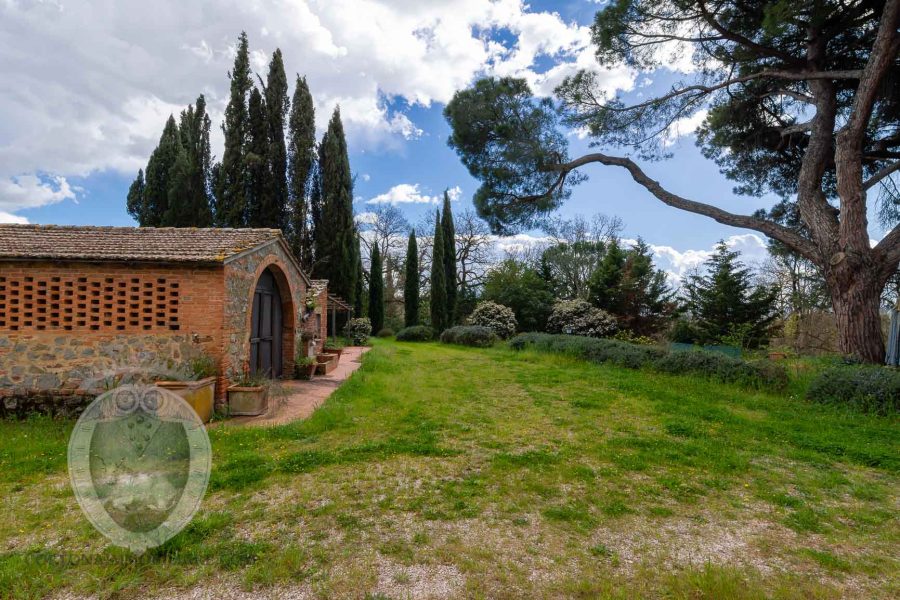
82, 307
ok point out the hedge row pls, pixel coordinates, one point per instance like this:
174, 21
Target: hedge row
470, 335
864, 388
757, 374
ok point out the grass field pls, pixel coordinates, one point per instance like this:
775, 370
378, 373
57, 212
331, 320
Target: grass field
440, 471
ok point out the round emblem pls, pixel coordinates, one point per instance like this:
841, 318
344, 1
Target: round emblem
139, 463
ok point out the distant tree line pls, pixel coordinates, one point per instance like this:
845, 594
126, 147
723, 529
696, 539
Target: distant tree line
272, 174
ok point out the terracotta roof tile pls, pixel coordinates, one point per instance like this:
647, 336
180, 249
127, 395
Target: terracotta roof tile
164, 244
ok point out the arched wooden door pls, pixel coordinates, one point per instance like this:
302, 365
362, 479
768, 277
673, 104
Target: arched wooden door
265, 329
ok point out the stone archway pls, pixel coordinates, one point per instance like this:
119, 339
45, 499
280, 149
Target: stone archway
271, 324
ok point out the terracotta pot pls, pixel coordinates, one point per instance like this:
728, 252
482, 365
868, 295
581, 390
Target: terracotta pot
199, 394
335, 351
250, 401
305, 372
777, 355
327, 363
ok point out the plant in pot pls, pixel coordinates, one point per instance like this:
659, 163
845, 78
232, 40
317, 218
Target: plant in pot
248, 395
334, 346
196, 383
305, 367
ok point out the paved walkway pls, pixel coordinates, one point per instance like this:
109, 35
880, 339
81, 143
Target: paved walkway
290, 400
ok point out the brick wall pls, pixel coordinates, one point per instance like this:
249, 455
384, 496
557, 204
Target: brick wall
67, 327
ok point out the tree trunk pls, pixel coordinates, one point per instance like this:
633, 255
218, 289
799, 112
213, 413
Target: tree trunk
856, 298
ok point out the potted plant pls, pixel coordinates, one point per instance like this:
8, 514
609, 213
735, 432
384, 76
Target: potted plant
326, 363
312, 302
197, 385
305, 367
334, 347
248, 395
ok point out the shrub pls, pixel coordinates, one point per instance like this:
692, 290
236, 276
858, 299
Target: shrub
358, 330
496, 317
416, 333
301, 366
759, 374
867, 389
385, 332
578, 317
469, 335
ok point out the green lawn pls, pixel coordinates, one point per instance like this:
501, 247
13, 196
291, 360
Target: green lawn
440, 471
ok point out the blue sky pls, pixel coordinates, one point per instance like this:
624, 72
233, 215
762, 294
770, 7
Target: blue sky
85, 110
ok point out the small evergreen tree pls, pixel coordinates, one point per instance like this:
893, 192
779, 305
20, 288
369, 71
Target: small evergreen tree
438, 300
725, 303
277, 106
135, 199
231, 204
449, 234
411, 283
261, 209
376, 291
604, 284
646, 301
301, 163
521, 288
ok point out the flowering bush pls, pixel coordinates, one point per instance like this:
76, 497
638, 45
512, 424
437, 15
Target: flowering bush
578, 317
358, 330
496, 317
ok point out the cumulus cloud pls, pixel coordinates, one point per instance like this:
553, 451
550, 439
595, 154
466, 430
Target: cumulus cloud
411, 193
84, 94
677, 263
683, 127
29, 191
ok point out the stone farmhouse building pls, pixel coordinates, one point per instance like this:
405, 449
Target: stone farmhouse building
81, 305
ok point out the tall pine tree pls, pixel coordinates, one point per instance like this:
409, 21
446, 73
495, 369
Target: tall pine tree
261, 210
336, 241
438, 278
231, 184
301, 163
376, 290
153, 207
727, 305
277, 107
449, 234
411, 283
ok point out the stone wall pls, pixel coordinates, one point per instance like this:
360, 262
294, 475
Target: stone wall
241, 275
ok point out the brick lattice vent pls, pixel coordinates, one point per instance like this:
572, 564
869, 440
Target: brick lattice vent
89, 303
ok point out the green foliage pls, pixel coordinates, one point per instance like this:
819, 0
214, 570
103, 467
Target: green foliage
756, 375
337, 256
448, 232
469, 335
301, 158
376, 291
231, 202
496, 317
506, 139
385, 332
302, 366
438, 299
277, 107
358, 331
871, 389
260, 208
521, 288
411, 283
202, 366
148, 198
627, 285
726, 305
577, 317
415, 333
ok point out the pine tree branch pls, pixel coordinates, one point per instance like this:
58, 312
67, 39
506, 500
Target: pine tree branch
878, 176
769, 228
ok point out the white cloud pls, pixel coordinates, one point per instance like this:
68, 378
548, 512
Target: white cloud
366, 218
677, 263
411, 193
8, 218
683, 127
84, 94
29, 191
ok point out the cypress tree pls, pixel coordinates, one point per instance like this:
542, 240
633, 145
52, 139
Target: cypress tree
336, 241
376, 291
277, 106
231, 204
189, 197
135, 200
261, 209
301, 162
157, 178
411, 284
438, 279
358, 308
449, 234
